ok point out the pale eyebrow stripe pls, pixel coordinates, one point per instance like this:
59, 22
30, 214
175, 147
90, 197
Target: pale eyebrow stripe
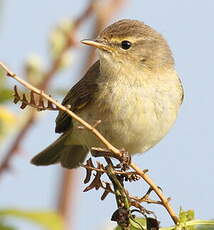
117, 41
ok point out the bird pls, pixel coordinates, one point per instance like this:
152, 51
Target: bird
133, 89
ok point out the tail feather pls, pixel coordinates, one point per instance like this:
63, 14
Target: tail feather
73, 157
44, 158
69, 156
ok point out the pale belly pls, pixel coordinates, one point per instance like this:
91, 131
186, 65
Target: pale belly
134, 121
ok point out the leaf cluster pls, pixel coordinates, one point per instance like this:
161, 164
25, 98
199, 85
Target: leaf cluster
48, 220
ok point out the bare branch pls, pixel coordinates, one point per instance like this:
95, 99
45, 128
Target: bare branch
110, 147
63, 108
48, 75
159, 193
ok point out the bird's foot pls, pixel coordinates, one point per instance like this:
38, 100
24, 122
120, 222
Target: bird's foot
125, 160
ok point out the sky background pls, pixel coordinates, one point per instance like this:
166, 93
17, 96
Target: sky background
182, 163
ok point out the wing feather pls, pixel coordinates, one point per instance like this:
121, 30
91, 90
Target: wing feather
78, 97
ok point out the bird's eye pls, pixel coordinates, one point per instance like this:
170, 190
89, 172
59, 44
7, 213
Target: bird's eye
126, 45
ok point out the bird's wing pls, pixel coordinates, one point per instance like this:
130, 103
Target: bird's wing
78, 97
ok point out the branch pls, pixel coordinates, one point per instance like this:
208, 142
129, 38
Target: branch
70, 42
63, 203
62, 108
110, 147
164, 200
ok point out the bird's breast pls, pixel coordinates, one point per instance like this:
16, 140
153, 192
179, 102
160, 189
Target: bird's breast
135, 115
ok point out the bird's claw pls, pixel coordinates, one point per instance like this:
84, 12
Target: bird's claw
125, 160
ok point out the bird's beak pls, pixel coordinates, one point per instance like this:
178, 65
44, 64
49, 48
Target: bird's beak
100, 44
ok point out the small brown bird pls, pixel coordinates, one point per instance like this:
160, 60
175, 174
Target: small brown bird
133, 89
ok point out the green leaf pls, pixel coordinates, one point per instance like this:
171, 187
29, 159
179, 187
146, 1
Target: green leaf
5, 95
187, 222
136, 224
205, 227
193, 225
2, 79
201, 224
4, 226
185, 216
48, 220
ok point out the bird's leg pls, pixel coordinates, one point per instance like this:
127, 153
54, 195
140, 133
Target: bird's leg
125, 159
101, 152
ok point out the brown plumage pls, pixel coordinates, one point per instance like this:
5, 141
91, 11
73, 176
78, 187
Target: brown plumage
78, 97
133, 89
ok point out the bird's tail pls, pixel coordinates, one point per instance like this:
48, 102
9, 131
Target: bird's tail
70, 156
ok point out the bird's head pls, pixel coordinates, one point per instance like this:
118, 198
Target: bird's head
132, 42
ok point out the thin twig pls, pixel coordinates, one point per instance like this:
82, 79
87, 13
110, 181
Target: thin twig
117, 152
147, 200
63, 108
63, 206
66, 191
29, 122
163, 199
